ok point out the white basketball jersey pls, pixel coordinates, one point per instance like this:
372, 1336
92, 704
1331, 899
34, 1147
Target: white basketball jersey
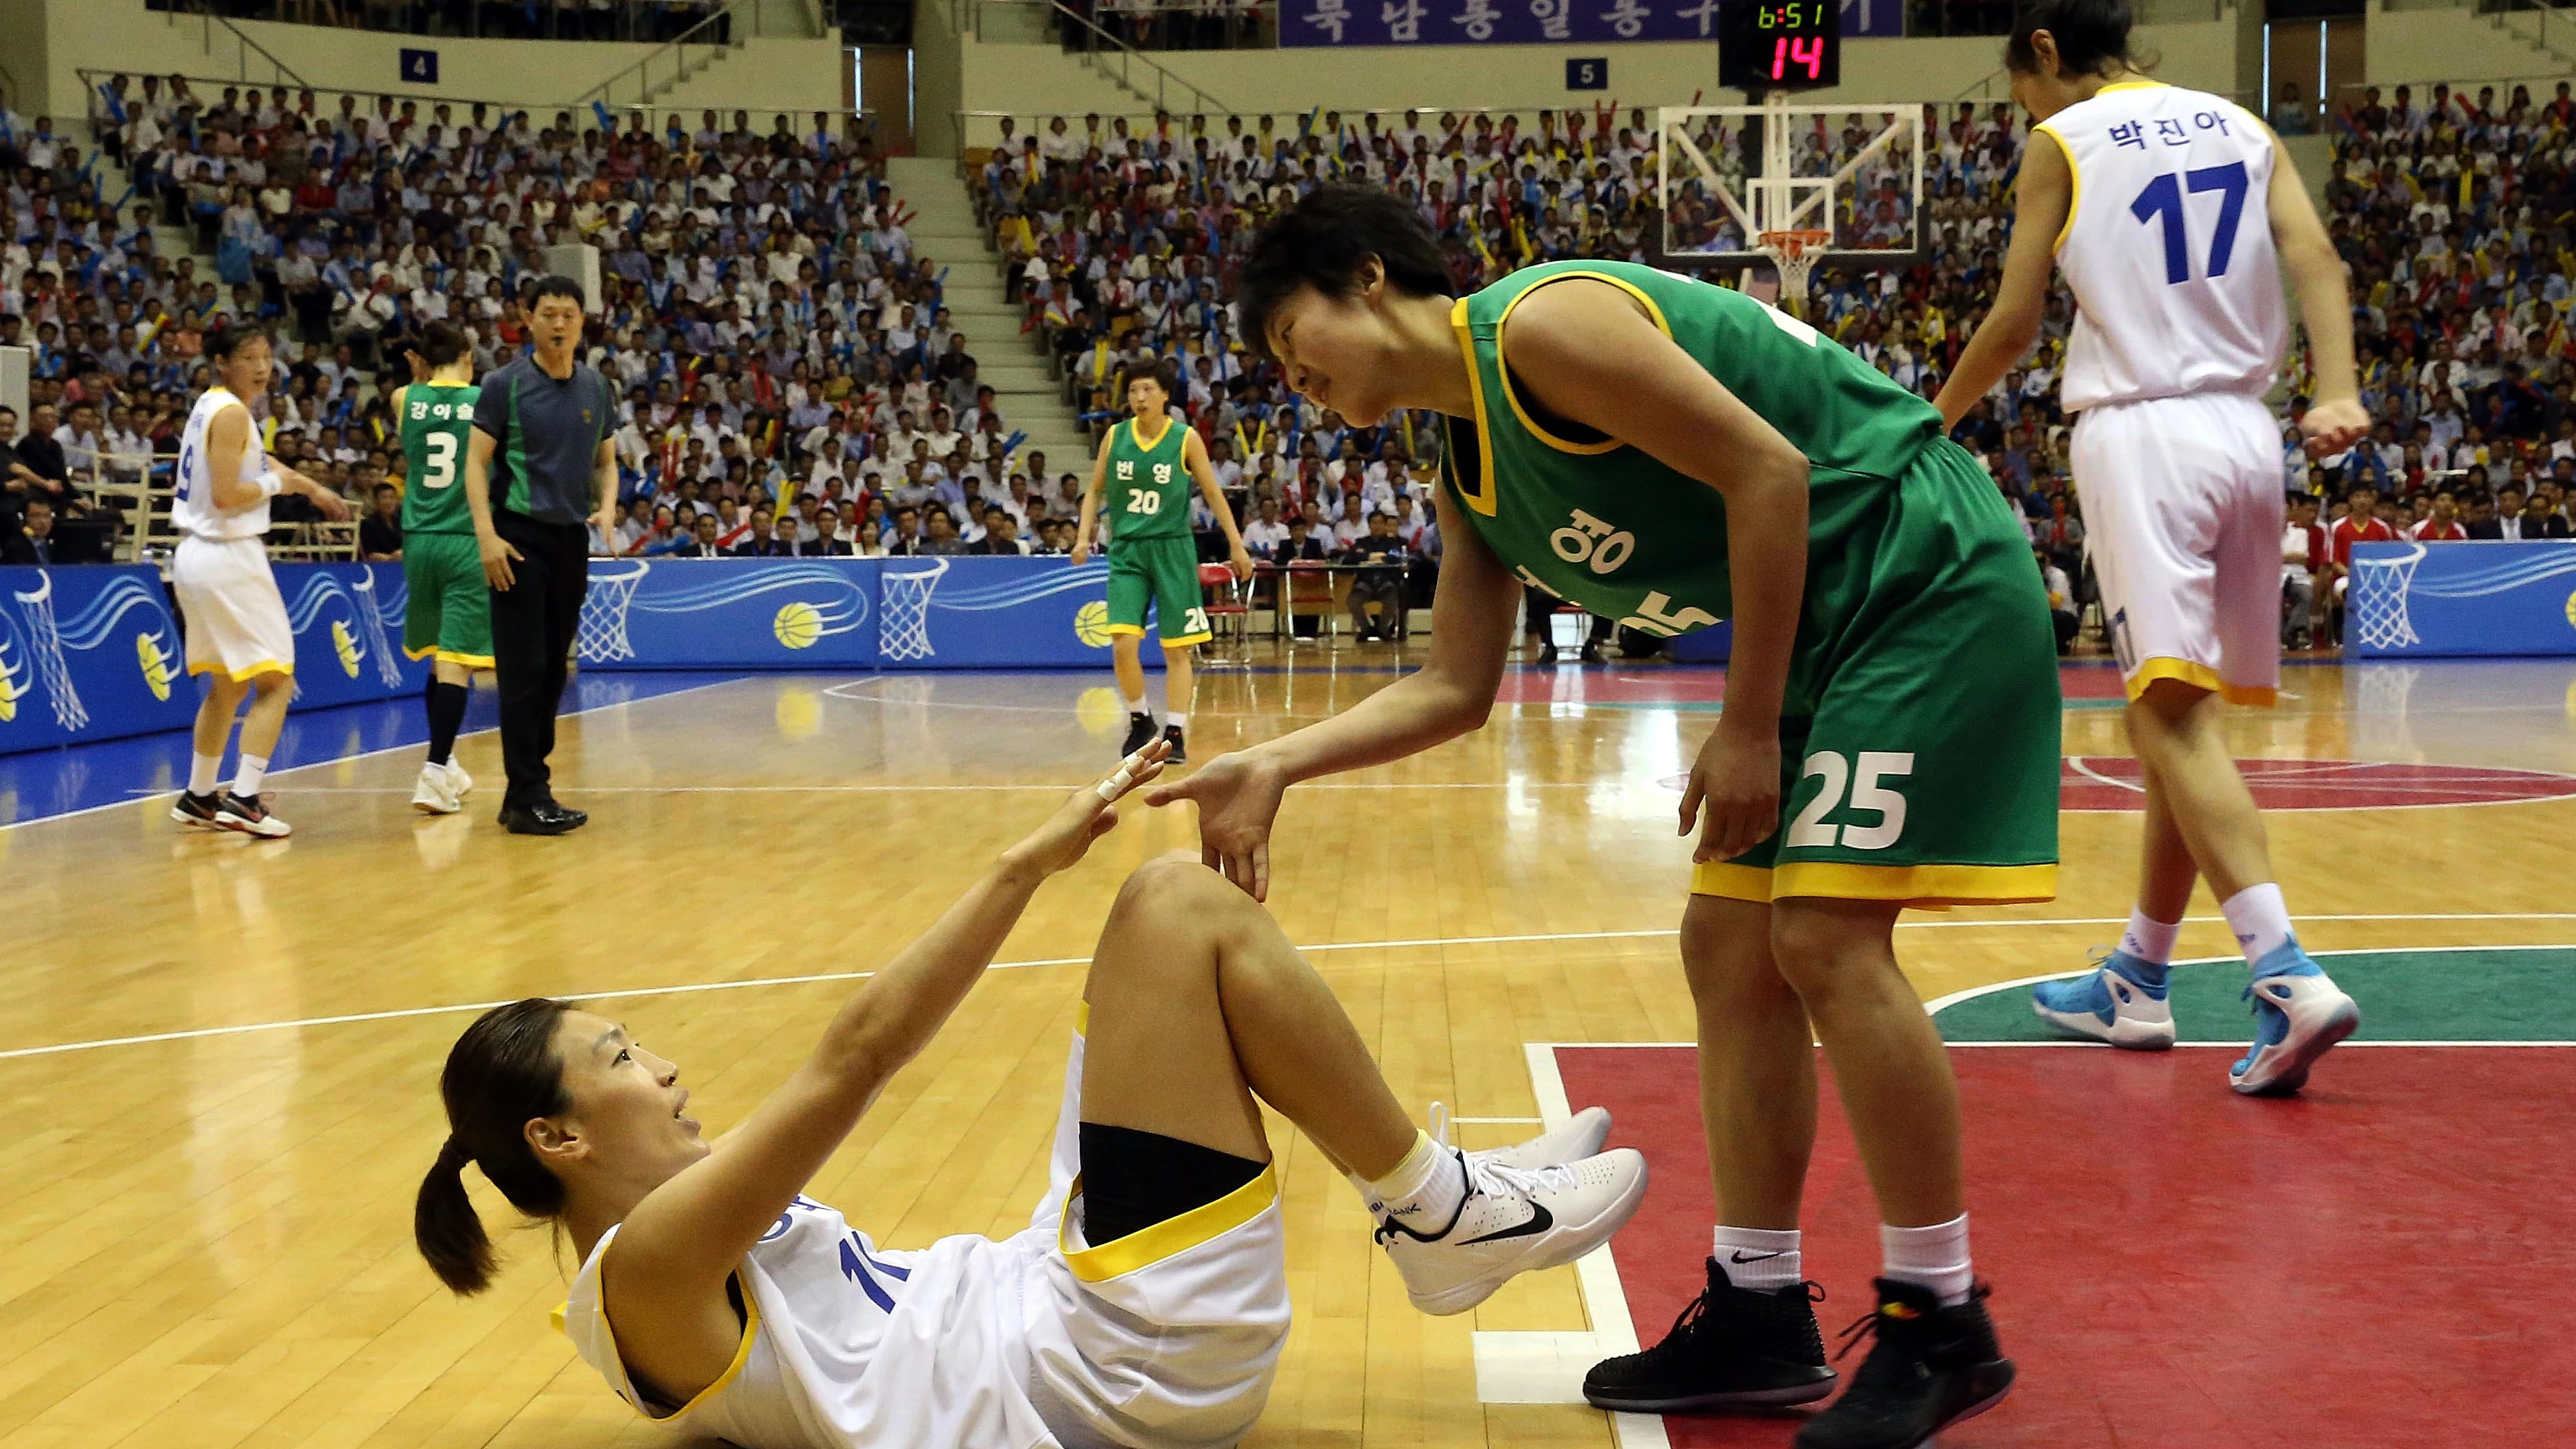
848, 1346
193, 509
2168, 246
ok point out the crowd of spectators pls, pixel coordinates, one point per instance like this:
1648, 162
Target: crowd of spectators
780, 345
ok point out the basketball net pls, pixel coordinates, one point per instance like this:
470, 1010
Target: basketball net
600, 638
904, 618
2375, 600
1794, 254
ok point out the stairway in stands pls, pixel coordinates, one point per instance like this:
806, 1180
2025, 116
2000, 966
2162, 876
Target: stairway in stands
943, 229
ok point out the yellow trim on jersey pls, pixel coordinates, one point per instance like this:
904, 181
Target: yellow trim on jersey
1137, 439
2074, 183
1504, 369
1482, 500
2198, 676
1082, 1019
449, 656
1136, 629
2135, 85
1923, 887
443, 382
733, 1370
265, 666
1185, 640
1169, 1238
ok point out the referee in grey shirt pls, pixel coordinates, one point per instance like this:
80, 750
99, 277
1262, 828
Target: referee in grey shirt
540, 465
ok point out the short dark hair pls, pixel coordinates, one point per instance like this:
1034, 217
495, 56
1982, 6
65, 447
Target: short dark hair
1324, 241
552, 286
232, 337
441, 344
2091, 35
1157, 372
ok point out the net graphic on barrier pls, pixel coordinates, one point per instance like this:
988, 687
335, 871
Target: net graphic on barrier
47, 640
373, 621
2375, 600
600, 638
905, 622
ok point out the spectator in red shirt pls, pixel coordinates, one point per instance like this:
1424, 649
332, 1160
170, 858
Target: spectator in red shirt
2442, 523
2359, 524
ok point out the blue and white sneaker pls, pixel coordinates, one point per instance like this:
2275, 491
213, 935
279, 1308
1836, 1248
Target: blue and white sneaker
2123, 1002
2298, 1015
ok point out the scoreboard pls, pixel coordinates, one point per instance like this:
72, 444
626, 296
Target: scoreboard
1777, 45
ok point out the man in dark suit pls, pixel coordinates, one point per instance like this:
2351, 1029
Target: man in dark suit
827, 541
33, 543
2540, 520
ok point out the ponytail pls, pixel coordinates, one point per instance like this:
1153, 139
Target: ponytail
502, 1073
448, 1229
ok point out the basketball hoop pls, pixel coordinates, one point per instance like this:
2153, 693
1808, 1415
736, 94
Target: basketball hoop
1794, 254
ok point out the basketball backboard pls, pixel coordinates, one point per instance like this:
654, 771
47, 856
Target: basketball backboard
1725, 175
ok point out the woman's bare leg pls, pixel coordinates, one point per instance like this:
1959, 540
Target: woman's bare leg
1199, 1004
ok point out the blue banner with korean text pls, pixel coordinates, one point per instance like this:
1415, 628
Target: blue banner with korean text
1532, 22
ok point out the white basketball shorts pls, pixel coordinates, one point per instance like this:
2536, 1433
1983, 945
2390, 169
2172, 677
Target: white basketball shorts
1167, 1338
236, 620
2183, 510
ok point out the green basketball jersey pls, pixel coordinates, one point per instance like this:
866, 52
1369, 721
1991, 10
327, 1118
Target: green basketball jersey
1603, 525
437, 422
1148, 489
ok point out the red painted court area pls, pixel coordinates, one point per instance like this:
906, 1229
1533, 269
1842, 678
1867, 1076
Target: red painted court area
2377, 1262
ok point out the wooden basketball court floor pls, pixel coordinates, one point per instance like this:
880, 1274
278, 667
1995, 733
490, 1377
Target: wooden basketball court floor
219, 1056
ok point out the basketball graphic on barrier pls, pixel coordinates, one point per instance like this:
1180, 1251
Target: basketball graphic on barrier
156, 666
2571, 611
11, 691
346, 646
1091, 625
1099, 712
798, 625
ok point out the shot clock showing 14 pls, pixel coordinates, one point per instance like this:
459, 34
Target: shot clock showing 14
1773, 45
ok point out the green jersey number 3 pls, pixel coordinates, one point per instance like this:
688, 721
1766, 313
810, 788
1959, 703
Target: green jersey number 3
1862, 773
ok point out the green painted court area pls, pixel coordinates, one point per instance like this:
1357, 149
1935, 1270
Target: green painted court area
2478, 994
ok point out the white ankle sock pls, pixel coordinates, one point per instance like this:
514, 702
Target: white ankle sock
1424, 1189
2149, 939
1935, 1257
246, 778
2260, 919
1176, 721
1762, 1259
203, 771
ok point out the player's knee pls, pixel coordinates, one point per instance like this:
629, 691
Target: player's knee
1827, 953
1726, 947
270, 683
1175, 888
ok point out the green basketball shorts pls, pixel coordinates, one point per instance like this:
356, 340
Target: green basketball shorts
1165, 573
1919, 738
449, 616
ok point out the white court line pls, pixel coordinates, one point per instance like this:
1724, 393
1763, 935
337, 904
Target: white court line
1596, 1276
365, 754
686, 988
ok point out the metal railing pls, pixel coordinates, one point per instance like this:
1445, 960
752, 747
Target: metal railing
2551, 28
1097, 46
243, 46
1440, 123
327, 99
137, 488
629, 21
671, 63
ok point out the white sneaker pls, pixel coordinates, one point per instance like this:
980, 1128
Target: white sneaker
1512, 1221
1577, 1139
459, 783
435, 793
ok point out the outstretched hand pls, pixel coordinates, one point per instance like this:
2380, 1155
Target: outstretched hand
1238, 797
1088, 814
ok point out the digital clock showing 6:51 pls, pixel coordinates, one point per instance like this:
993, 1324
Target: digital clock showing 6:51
1776, 45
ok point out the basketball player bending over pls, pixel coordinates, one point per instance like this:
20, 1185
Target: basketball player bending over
2179, 326
1146, 1304
237, 626
1667, 453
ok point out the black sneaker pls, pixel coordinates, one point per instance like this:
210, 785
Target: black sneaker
1592, 653
543, 818
1931, 1367
1140, 733
1546, 654
1732, 1348
196, 810
244, 814
1172, 737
